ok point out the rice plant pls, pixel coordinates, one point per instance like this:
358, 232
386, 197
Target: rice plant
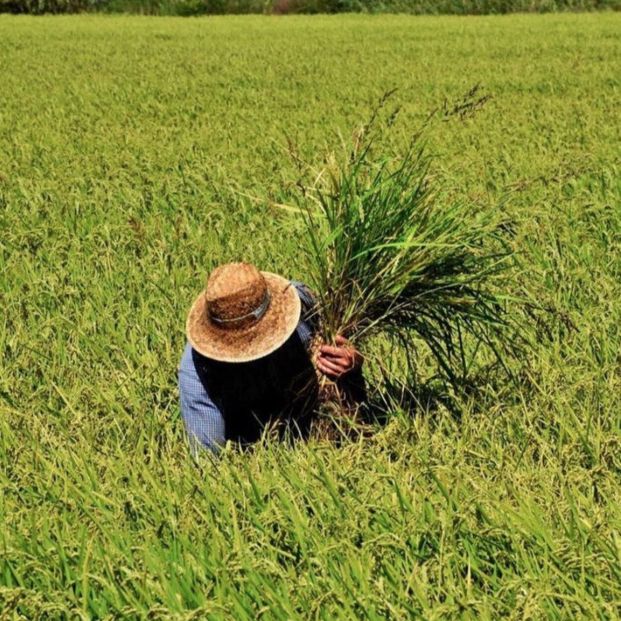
116, 155
392, 254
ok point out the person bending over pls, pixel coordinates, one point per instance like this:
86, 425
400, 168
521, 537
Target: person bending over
247, 363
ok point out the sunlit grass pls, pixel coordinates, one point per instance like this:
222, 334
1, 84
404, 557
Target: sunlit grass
128, 148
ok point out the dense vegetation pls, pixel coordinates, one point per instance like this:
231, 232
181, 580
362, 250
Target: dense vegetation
137, 153
282, 7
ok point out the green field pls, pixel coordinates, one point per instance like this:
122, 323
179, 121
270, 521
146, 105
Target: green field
138, 153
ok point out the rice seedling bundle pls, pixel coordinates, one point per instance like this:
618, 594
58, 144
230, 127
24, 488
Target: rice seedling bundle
391, 254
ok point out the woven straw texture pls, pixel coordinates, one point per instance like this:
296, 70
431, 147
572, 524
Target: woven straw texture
246, 342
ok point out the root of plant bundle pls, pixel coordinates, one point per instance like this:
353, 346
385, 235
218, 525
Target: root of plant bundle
338, 417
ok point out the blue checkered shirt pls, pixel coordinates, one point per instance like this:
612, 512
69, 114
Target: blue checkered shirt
207, 413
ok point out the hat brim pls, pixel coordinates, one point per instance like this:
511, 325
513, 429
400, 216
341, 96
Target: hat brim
254, 341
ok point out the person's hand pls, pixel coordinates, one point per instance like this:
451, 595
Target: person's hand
336, 361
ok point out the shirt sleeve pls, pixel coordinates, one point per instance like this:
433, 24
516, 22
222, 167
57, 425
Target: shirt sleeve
309, 306
203, 420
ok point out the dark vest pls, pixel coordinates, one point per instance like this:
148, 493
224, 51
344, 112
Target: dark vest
280, 388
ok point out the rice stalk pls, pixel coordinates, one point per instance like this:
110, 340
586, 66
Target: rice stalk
391, 254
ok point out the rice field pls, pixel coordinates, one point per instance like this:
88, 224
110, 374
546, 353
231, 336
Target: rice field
136, 154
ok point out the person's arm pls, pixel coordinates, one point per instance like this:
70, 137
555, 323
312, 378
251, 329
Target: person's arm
341, 362
309, 315
203, 420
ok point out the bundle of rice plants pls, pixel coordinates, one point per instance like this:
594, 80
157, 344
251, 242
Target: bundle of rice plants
391, 254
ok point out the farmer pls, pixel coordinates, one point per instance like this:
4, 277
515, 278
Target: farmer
247, 363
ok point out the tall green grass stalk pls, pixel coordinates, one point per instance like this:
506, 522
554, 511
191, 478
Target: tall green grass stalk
390, 253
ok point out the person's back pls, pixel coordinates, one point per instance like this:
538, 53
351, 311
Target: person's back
247, 361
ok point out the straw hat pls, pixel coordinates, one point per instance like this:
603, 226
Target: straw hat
243, 314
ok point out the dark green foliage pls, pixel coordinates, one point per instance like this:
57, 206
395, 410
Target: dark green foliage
37, 7
283, 7
438, 7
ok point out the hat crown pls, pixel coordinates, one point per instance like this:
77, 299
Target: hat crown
234, 292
